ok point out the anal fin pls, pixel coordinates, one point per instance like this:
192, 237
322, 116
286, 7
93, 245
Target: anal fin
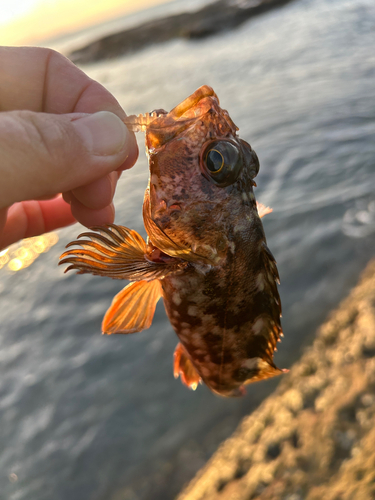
132, 309
184, 368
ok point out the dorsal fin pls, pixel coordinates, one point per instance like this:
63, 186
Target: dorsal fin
272, 329
263, 210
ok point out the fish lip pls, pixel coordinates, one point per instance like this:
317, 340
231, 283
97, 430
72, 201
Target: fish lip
193, 99
166, 127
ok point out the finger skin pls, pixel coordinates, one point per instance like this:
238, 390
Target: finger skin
31, 218
89, 217
98, 194
39, 79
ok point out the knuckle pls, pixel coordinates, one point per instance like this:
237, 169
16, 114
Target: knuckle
49, 136
51, 54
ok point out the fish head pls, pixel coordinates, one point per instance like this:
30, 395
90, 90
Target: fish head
201, 174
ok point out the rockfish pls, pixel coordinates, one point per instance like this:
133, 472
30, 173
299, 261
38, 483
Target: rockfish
206, 254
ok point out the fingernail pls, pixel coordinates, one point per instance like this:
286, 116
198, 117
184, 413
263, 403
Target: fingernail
102, 133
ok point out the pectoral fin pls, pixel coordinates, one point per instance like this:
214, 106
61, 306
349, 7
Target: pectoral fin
117, 252
132, 309
184, 367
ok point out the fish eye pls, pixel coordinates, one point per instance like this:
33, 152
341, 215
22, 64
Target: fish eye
221, 162
214, 161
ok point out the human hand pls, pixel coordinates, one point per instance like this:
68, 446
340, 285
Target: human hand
54, 140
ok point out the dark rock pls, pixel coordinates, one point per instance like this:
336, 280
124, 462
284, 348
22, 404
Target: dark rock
219, 16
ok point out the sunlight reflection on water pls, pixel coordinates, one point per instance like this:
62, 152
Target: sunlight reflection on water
22, 254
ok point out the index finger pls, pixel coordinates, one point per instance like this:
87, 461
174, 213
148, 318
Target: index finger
40, 79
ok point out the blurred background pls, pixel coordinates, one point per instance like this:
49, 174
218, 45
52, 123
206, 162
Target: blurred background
85, 416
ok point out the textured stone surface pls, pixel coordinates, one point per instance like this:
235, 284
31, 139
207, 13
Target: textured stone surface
314, 437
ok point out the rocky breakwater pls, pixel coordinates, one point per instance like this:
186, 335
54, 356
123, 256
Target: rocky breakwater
314, 437
218, 16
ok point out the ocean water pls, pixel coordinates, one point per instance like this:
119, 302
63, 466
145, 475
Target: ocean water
90, 417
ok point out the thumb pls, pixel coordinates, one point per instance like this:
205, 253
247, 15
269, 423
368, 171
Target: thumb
43, 154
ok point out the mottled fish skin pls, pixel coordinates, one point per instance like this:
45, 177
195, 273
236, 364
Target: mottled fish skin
226, 312
206, 256
228, 318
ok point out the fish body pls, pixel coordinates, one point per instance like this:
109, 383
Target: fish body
206, 254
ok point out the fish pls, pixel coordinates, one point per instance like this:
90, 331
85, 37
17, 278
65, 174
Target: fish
206, 253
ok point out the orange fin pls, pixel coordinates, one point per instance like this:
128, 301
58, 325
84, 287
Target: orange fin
117, 252
263, 210
264, 369
269, 325
132, 309
184, 367
270, 263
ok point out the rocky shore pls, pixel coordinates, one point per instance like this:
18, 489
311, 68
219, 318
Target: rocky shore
314, 438
221, 15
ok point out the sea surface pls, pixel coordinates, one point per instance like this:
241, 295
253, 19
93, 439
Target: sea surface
90, 417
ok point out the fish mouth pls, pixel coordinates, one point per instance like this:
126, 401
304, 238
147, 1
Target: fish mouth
199, 103
167, 126
187, 104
